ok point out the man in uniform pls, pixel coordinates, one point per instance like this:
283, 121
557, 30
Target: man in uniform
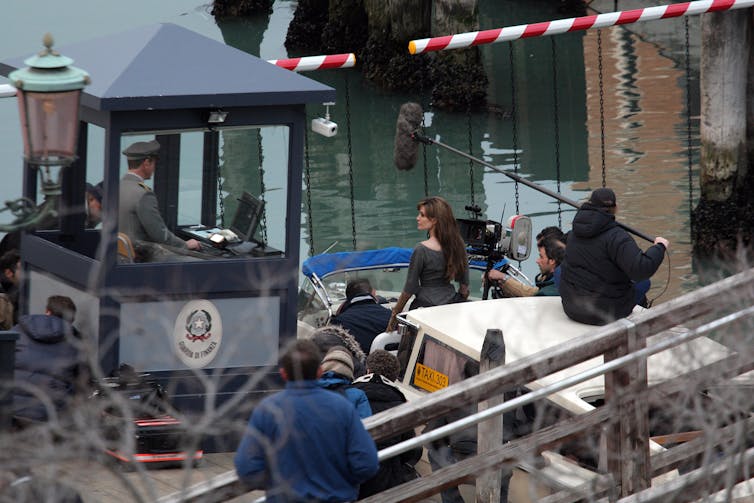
138, 214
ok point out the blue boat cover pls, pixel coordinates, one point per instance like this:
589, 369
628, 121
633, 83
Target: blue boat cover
331, 263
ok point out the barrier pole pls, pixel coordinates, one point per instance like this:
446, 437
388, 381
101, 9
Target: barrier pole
317, 62
559, 26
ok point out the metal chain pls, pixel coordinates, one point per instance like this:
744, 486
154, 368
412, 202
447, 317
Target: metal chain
602, 104
689, 151
261, 185
471, 149
514, 117
220, 198
425, 106
557, 125
350, 163
308, 180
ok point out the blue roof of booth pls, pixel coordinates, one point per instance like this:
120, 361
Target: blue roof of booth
166, 66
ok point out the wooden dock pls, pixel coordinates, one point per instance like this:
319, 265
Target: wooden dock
98, 482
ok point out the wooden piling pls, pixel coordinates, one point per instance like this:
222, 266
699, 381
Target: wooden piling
490, 432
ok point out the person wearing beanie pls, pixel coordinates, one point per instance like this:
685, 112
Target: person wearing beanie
380, 388
337, 374
334, 335
602, 263
305, 443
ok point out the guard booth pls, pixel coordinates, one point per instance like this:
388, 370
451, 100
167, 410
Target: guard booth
231, 129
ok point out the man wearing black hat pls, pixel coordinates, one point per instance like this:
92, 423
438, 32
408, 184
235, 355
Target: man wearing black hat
602, 263
138, 215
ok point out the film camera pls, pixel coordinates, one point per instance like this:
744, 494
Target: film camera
490, 240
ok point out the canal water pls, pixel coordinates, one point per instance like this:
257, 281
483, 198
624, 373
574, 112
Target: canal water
570, 113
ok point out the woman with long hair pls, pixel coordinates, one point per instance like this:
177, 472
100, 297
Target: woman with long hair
435, 262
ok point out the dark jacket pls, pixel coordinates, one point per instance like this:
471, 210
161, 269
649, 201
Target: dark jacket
48, 359
365, 319
382, 395
601, 263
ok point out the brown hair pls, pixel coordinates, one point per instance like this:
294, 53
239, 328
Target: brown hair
384, 363
448, 234
6, 312
62, 307
301, 360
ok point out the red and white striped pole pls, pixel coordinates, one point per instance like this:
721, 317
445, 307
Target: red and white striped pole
573, 24
316, 62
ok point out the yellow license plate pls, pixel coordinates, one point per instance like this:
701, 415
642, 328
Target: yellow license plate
429, 379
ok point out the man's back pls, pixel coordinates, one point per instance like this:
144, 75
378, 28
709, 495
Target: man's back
365, 319
47, 357
306, 443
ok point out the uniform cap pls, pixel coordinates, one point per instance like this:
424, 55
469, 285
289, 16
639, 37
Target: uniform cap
142, 150
602, 198
340, 361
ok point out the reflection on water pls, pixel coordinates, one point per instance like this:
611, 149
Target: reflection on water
550, 120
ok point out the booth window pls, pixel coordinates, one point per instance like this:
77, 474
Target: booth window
232, 200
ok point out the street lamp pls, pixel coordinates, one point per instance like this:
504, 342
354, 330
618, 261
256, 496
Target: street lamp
49, 92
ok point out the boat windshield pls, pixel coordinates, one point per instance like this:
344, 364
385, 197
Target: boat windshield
439, 365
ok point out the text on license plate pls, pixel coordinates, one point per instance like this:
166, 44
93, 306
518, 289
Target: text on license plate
429, 379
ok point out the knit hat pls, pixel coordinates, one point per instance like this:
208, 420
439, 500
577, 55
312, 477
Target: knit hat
338, 360
602, 198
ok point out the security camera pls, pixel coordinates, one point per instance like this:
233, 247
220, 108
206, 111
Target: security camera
324, 127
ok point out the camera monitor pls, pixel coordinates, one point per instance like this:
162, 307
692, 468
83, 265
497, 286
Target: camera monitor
247, 217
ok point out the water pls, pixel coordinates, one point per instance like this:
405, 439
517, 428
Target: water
641, 109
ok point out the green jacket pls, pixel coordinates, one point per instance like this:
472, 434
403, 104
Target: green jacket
546, 285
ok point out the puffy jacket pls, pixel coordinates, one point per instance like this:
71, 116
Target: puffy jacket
47, 358
601, 263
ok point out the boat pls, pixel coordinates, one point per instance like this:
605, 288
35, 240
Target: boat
325, 276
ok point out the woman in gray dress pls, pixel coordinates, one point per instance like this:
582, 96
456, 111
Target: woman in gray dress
435, 262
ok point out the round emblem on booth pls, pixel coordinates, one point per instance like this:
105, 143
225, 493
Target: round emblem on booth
198, 333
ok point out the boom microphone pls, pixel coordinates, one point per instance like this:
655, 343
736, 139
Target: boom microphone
406, 149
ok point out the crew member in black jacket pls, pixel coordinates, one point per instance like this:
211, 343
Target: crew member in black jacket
602, 262
379, 386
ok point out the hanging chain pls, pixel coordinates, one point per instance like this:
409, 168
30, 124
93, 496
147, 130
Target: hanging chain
350, 163
426, 106
220, 197
602, 103
261, 185
308, 180
557, 125
471, 149
514, 117
689, 151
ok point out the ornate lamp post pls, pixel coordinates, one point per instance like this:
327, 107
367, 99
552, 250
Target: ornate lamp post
49, 92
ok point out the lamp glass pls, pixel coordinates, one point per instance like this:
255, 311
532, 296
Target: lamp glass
50, 126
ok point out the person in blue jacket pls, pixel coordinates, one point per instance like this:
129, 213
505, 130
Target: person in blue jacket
337, 375
305, 443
